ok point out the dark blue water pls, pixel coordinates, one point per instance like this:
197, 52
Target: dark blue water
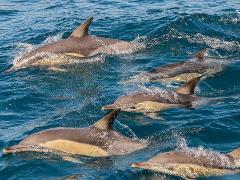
36, 99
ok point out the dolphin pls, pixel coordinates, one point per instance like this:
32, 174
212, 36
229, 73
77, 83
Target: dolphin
149, 102
98, 140
193, 163
181, 71
78, 45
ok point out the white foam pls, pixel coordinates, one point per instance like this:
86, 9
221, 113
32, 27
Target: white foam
51, 39
198, 153
168, 94
25, 48
214, 42
22, 50
203, 39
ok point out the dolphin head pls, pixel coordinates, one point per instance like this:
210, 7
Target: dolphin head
126, 103
170, 169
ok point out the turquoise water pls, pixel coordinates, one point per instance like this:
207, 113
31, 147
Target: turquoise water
36, 99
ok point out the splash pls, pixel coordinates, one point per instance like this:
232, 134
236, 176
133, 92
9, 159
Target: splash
121, 47
25, 48
137, 79
156, 91
22, 50
199, 38
132, 134
214, 42
211, 157
51, 39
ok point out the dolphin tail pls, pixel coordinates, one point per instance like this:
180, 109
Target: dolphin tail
189, 86
82, 30
107, 121
200, 55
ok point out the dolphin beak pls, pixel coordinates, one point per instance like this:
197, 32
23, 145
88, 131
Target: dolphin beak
111, 106
141, 165
14, 149
8, 150
11, 69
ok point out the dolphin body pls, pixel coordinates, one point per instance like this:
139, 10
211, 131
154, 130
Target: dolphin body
98, 140
192, 164
181, 71
151, 102
79, 45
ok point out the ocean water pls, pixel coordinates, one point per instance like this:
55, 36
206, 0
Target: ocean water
37, 99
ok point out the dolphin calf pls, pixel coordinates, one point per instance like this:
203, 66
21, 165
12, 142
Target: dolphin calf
98, 140
193, 163
181, 71
150, 102
78, 45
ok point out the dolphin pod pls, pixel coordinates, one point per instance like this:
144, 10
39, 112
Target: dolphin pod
193, 163
78, 45
100, 139
150, 102
97, 140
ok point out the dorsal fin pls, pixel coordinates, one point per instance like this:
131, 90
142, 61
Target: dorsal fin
188, 87
200, 55
82, 30
107, 121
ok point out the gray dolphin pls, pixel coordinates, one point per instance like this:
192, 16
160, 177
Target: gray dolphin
98, 140
193, 163
149, 102
181, 71
79, 45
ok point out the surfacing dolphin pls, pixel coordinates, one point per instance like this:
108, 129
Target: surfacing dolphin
98, 140
181, 71
193, 163
79, 45
149, 102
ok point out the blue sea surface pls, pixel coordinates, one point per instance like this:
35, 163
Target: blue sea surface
36, 99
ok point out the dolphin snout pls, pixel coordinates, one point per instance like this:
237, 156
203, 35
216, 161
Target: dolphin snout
8, 150
141, 165
14, 149
11, 69
110, 107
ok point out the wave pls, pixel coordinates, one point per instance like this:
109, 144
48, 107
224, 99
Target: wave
219, 33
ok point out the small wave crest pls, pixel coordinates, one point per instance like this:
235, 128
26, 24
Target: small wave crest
199, 38
121, 47
25, 48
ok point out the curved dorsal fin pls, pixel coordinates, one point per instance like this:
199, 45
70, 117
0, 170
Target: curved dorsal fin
106, 123
82, 30
200, 55
188, 87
